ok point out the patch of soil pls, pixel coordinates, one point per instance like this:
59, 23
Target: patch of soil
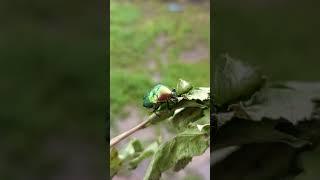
201, 165
161, 40
199, 53
156, 77
160, 43
151, 64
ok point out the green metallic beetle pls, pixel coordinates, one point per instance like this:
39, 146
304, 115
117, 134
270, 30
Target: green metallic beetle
158, 95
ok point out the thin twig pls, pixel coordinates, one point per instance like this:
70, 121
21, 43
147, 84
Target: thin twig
124, 135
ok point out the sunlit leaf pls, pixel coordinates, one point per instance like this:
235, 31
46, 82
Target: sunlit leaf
187, 115
185, 145
183, 87
201, 93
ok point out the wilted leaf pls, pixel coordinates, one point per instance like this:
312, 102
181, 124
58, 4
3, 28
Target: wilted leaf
234, 80
185, 145
276, 103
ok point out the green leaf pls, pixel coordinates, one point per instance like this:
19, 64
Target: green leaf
183, 87
201, 93
131, 155
185, 145
192, 103
146, 153
182, 118
191, 117
195, 98
131, 150
202, 127
115, 162
182, 163
161, 114
234, 80
203, 123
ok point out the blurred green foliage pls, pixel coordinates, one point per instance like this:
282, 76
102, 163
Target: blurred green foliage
144, 33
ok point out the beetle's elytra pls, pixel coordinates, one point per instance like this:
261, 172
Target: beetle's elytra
157, 95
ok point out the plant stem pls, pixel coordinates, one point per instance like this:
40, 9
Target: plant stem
124, 135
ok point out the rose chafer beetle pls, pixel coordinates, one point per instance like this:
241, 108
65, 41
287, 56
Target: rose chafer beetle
159, 95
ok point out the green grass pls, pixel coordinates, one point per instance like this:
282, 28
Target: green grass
127, 89
135, 28
197, 74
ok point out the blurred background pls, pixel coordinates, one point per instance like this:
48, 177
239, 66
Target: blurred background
53, 86
156, 42
281, 37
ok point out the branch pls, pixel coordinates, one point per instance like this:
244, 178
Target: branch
152, 118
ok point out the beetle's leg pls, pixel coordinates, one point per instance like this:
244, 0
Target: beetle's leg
155, 109
175, 99
155, 112
168, 105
